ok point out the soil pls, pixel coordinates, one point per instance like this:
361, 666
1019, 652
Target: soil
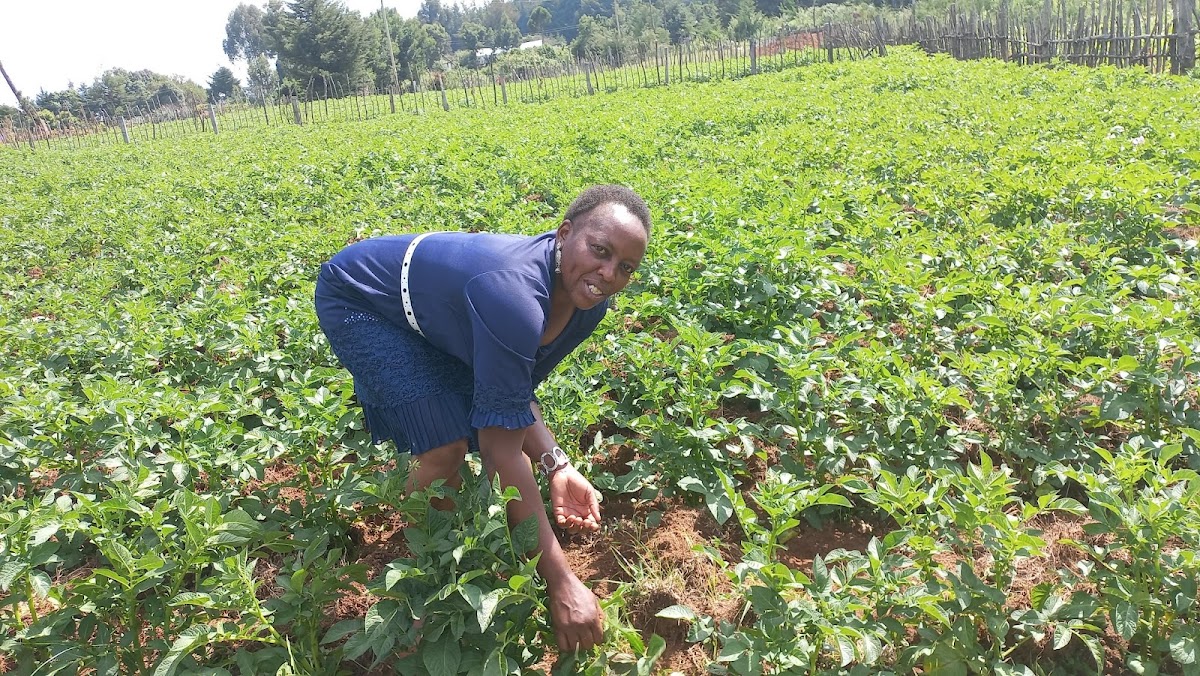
658, 567
807, 542
653, 554
282, 477
1184, 232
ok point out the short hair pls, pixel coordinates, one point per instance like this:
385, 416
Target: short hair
599, 195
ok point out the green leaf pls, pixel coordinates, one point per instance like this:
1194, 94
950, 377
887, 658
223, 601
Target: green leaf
1096, 649
821, 582
1062, 635
871, 649
41, 583
677, 612
193, 637
398, 571
342, 629
484, 604
43, 534
9, 572
525, 536
658, 645
720, 506
236, 528
845, 648
833, 499
1183, 645
191, 599
496, 664
1125, 619
442, 658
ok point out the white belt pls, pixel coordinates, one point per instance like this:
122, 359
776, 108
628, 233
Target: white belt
408, 308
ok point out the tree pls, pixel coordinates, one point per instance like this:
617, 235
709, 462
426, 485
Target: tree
440, 38
245, 34
590, 38
539, 20
474, 36
320, 44
507, 35
260, 75
223, 83
430, 11
748, 23
414, 47
708, 22
497, 11
678, 21
643, 26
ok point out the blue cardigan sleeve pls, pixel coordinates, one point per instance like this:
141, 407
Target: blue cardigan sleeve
506, 322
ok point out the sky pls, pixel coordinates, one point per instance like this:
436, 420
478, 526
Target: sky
48, 44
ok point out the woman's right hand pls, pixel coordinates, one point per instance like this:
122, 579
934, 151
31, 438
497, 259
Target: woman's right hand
575, 612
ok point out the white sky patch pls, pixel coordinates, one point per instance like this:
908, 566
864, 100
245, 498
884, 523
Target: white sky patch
53, 43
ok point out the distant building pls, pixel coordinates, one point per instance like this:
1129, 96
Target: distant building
485, 54
532, 44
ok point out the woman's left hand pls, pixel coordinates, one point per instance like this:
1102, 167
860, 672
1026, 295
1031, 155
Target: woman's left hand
574, 501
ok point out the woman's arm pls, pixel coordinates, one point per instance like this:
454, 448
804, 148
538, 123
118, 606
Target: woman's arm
573, 607
573, 500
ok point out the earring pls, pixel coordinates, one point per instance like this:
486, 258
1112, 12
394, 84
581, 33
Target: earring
558, 258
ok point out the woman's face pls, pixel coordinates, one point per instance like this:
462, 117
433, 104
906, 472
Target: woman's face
601, 249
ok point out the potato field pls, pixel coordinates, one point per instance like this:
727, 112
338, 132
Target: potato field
906, 384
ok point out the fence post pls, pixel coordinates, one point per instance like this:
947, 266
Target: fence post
212, 116
1184, 57
266, 116
828, 42
299, 119
1002, 29
587, 73
442, 89
124, 129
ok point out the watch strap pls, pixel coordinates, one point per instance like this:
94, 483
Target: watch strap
552, 460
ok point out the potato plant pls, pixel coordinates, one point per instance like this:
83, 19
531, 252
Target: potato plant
952, 302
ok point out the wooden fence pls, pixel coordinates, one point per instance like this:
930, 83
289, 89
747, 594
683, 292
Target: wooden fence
489, 86
1153, 35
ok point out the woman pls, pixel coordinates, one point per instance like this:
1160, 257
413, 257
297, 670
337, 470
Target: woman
448, 334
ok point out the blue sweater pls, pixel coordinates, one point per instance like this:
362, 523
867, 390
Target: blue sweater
481, 298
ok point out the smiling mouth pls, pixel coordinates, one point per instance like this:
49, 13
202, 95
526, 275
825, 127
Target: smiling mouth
594, 290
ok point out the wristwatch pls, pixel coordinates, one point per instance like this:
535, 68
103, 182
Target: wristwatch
552, 460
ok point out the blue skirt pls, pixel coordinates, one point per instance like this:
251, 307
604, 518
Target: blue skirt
410, 392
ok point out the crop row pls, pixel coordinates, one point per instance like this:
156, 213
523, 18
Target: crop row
955, 302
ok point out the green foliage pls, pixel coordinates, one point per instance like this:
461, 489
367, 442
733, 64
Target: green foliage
245, 34
223, 84
319, 44
120, 92
876, 292
539, 20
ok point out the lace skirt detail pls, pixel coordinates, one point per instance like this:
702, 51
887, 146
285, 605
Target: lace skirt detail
410, 392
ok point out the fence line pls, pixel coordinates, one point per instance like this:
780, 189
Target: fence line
1099, 33
460, 88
